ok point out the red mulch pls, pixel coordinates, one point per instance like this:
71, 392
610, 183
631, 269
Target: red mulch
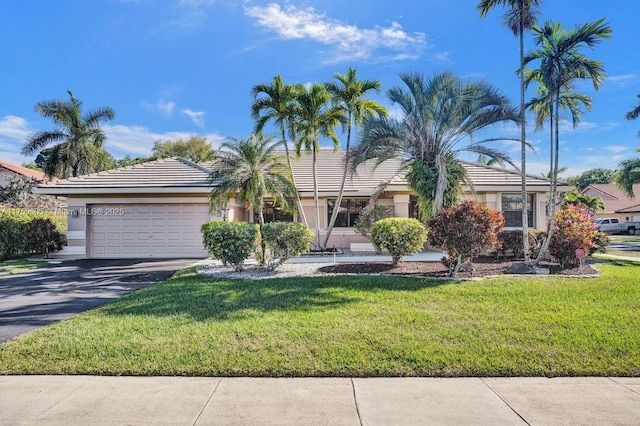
484, 267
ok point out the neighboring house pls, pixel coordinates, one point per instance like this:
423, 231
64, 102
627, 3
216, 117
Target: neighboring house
616, 202
155, 209
10, 172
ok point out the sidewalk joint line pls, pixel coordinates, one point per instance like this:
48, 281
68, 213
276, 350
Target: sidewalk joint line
504, 400
355, 400
623, 385
66, 396
208, 401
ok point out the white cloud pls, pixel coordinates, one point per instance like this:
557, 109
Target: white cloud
14, 131
348, 41
14, 127
138, 140
165, 107
615, 149
196, 116
623, 80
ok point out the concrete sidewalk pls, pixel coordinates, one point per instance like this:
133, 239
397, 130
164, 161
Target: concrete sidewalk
82, 400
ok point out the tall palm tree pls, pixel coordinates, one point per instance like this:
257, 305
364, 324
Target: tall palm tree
315, 117
250, 170
439, 116
520, 17
78, 139
542, 106
348, 92
561, 63
629, 170
273, 102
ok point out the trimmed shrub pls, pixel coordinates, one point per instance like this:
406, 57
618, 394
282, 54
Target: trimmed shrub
369, 216
13, 230
510, 241
464, 231
43, 236
230, 242
285, 240
573, 236
399, 236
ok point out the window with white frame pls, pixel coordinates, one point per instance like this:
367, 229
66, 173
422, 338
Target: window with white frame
512, 210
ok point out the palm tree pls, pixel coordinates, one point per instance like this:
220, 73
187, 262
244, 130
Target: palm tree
250, 170
634, 113
629, 170
315, 117
78, 139
348, 92
440, 115
561, 63
520, 17
273, 102
592, 204
628, 174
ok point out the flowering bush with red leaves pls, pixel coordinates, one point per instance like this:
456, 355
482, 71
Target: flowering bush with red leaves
574, 236
464, 231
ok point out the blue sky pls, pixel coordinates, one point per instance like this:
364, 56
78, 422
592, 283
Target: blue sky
175, 68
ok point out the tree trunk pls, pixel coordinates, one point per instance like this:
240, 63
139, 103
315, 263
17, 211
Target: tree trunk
293, 180
441, 185
263, 246
336, 208
554, 180
523, 152
315, 197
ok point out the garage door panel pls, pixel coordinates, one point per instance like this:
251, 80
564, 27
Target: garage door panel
148, 230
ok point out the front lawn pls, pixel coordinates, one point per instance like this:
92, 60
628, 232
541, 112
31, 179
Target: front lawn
350, 326
16, 266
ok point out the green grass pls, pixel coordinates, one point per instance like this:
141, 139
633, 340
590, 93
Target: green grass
619, 253
16, 266
350, 326
627, 239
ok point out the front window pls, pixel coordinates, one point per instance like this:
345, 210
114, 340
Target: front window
348, 211
512, 210
273, 213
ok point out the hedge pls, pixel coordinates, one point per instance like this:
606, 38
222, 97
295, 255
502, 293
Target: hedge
14, 238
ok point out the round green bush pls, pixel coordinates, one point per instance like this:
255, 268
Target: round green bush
285, 240
230, 242
398, 236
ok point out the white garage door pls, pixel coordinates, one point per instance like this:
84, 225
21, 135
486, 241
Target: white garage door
146, 230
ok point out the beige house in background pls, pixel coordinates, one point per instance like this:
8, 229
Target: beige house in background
616, 203
10, 172
156, 209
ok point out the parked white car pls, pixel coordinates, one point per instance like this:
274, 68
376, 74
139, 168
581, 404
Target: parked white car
613, 225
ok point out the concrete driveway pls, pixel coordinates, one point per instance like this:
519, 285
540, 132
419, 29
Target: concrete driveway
36, 298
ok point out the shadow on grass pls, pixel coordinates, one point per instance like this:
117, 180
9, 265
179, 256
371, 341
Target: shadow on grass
205, 298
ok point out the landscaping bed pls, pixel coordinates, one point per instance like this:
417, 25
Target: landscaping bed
485, 266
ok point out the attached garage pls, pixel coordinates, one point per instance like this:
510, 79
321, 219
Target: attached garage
146, 230
150, 210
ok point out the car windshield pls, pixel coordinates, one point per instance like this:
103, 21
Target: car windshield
597, 221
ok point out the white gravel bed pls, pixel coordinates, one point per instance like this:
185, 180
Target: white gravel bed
253, 271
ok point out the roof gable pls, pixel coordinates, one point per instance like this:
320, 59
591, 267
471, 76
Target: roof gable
25, 172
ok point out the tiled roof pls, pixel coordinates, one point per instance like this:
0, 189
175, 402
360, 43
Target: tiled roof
160, 176
330, 165
180, 175
615, 200
26, 172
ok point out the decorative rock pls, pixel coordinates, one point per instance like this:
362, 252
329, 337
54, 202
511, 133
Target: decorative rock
524, 268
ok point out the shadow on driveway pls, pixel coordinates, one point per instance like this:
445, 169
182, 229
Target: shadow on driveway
42, 296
